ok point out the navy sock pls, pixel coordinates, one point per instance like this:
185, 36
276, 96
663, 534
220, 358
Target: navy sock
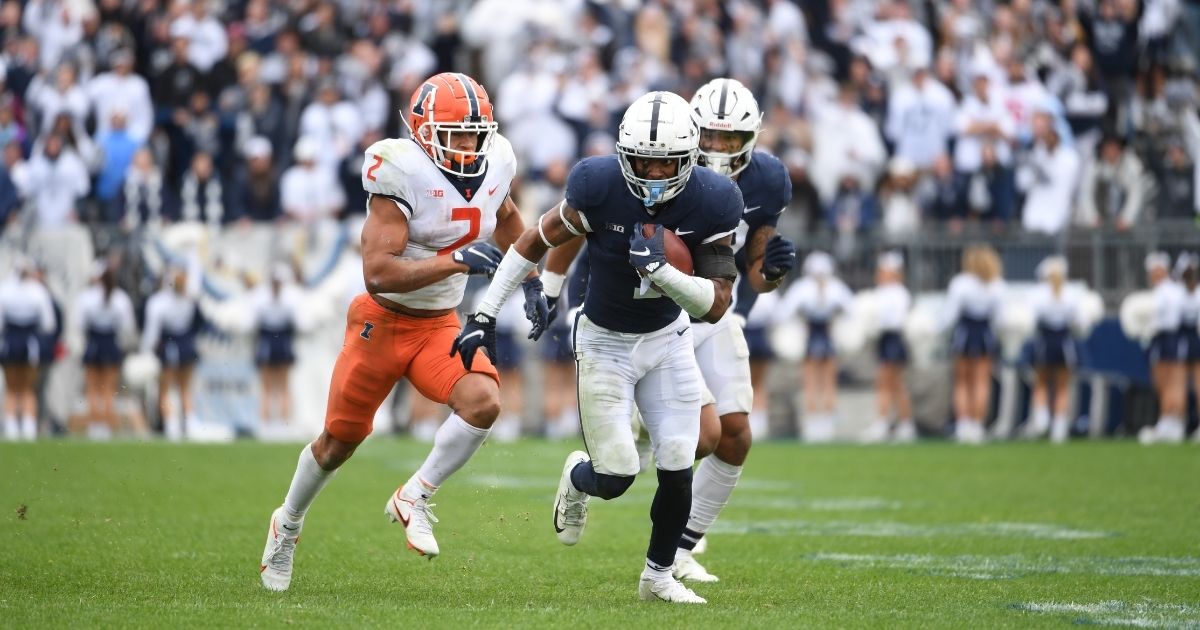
585, 479
689, 539
669, 513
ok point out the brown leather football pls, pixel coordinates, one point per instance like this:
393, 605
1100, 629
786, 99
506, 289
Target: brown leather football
677, 251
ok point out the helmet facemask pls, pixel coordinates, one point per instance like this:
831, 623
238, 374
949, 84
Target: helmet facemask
463, 163
727, 164
656, 191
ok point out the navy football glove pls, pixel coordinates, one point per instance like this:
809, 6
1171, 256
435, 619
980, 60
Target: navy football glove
778, 259
647, 254
480, 258
479, 332
536, 309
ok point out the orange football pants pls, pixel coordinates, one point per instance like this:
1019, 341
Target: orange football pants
383, 346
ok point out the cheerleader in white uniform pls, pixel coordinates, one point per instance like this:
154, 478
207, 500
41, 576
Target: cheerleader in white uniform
891, 393
26, 314
172, 320
105, 317
819, 296
972, 304
1187, 269
1056, 308
274, 306
1166, 353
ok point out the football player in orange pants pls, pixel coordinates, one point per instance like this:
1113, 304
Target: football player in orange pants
434, 199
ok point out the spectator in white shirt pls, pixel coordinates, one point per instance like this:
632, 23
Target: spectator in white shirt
1049, 179
332, 123
55, 26
310, 191
846, 142
981, 120
207, 41
920, 120
63, 96
57, 181
120, 89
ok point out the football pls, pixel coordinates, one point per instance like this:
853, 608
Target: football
677, 251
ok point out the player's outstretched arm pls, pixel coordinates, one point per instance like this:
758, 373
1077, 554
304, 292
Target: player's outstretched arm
384, 239
769, 259
554, 228
555, 274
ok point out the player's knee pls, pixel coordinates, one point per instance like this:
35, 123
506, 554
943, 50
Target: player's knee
675, 453
478, 404
736, 438
331, 450
710, 432
612, 486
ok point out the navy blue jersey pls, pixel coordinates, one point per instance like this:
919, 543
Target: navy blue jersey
766, 189
707, 209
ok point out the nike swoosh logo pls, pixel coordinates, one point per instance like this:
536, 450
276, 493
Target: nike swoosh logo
400, 514
643, 252
492, 191
682, 232
557, 529
680, 332
750, 209
477, 333
290, 529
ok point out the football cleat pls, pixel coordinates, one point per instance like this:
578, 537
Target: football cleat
276, 567
417, 519
570, 505
686, 568
670, 590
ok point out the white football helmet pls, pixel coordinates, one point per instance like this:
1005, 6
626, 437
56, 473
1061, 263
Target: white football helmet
727, 105
657, 125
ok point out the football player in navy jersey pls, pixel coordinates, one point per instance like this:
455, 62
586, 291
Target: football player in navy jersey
729, 121
632, 339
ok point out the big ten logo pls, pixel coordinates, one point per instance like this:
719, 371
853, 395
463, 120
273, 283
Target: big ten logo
436, 193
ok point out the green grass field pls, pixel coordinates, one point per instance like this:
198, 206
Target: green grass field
1010, 535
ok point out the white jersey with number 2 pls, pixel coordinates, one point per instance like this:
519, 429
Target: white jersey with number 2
440, 218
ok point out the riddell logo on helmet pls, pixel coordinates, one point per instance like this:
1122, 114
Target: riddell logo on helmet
718, 124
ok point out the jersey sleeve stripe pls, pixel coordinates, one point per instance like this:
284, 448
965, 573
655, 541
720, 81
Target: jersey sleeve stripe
404, 206
718, 236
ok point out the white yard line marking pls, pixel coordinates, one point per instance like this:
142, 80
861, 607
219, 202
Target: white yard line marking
1143, 614
885, 529
1014, 566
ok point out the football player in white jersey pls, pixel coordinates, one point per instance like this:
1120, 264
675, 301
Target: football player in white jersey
434, 200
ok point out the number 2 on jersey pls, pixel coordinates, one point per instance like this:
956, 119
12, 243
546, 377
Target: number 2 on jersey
473, 216
374, 167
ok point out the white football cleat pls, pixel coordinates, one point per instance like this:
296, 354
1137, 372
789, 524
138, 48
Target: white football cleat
570, 505
417, 519
276, 567
686, 568
670, 590
904, 433
1163, 432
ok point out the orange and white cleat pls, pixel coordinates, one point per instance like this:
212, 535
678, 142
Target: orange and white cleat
417, 518
282, 536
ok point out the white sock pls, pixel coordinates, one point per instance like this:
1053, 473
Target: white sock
12, 429
28, 428
454, 444
306, 484
654, 572
1041, 418
712, 484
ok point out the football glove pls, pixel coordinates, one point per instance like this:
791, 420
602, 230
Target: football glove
647, 254
480, 258
536, 309
479, 332
778, 259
